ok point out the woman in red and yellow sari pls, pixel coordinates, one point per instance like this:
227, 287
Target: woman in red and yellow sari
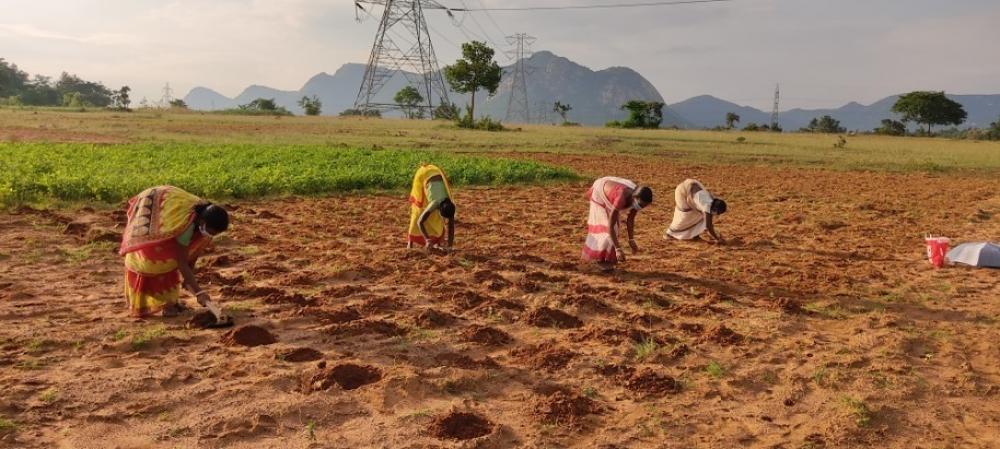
430, 208
167, 230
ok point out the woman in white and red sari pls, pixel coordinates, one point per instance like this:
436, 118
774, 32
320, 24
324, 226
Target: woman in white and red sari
609, 197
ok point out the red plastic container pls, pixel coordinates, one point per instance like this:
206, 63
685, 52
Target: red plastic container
937, 248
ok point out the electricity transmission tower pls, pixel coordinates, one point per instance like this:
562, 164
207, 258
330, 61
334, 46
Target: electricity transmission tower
774, 112
402, 46
168, 96
517, 104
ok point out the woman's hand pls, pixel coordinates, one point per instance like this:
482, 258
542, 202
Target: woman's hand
633, 246
620, 254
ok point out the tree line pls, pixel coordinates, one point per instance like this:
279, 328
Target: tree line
18, 88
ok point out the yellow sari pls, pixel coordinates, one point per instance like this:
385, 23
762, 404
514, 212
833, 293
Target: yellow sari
435, 224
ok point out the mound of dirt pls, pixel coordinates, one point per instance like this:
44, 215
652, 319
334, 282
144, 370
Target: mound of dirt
486, 335
651, 383
722, 335
348, 376
613, 336
300, 355
296, 299
76, 228
565, 410
586, 302
367, 327
467, 300
786, 305
335, 316
547, 357
461, 426
248, 335
454, 360
201, 320
380, 305
344, 291
431, 318
546, 317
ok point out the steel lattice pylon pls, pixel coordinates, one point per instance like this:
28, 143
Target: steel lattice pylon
517, 104
390, 56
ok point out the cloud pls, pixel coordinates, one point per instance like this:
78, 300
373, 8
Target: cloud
24, 30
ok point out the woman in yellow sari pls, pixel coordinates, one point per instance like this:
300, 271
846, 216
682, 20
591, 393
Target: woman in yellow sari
430, 206
167, 230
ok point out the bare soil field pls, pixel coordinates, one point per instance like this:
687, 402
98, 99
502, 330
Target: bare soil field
819, 325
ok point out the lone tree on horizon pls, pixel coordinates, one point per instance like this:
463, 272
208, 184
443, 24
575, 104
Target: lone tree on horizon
562, 109
929, 108
732, 119
408, 99
475, 70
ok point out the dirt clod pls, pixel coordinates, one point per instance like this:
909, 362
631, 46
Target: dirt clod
248, 335
430, 318
461, 426
564, 409
348, 376
485, 335
651, 383
546, 317
299, 355
201, 320
722, 335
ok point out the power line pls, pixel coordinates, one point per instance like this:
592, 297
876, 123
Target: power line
490, 16
604, 6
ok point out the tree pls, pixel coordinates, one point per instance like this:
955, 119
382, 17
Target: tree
930, 108
562, 109
891, 127
409, 99
994, 132
312, 106
120, 99
751, 127
643, 114
732, 119
824, 124
446, 111
263, 106
351, 112
12, 79
476, 70
92, 93
178, 103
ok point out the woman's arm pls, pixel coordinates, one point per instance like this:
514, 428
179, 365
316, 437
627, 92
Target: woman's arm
630, 227
451, 232
711, 229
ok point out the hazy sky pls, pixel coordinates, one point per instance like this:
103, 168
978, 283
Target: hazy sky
823, 52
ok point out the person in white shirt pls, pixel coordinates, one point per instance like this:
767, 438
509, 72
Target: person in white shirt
693, 212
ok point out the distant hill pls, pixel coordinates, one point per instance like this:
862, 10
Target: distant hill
707, 111
595, 95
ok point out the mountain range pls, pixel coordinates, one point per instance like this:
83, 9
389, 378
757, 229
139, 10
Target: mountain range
596, 97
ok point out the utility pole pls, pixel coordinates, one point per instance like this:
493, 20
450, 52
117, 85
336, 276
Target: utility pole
517, 104
402, 45
774, 112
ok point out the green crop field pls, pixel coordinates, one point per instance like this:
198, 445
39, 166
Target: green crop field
57, 154
38, 172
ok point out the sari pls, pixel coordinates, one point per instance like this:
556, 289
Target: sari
598, 246
689, 211
435, 224
156, 218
